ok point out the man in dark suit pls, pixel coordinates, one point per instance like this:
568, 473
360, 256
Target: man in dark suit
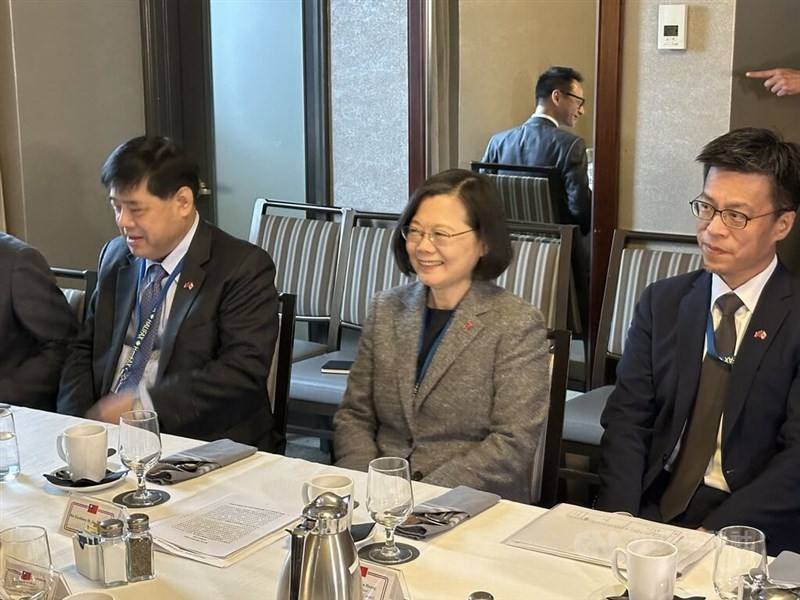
184, 319
36, 324
540, 141
703, 427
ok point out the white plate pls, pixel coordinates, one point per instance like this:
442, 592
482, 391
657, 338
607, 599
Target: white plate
89, 488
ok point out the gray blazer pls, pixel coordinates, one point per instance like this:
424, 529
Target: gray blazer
479, 412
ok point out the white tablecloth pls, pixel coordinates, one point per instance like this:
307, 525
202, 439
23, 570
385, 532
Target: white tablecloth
451, 566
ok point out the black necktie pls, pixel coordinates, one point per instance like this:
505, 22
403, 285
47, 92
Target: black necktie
700, 441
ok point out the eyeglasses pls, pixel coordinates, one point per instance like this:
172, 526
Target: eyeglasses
438, 238
731, 218
581, 101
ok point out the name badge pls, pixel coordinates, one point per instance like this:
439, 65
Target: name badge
382, 583
82, 509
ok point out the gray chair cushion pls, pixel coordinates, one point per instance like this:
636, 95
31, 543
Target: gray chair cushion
76, 300
582, 416
312, 386
304, 349
525, 198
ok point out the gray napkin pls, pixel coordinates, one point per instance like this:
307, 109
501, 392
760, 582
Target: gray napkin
198, 461
444, 512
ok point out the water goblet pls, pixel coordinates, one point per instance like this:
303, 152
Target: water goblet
389, 501
739, 551
139, 450
26, 572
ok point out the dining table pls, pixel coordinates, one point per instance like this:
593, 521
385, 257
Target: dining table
450, 566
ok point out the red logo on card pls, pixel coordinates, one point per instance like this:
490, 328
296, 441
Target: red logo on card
26, 576
364, 571
93, 508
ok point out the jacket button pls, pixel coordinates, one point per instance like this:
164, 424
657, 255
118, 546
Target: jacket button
417, 476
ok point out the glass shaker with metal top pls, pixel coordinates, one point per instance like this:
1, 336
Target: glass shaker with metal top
112, 553
140, 548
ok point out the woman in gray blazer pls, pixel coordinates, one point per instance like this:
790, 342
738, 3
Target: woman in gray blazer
452, 370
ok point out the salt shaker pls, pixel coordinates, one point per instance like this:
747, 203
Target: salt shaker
86, 545
140, 548
112, 553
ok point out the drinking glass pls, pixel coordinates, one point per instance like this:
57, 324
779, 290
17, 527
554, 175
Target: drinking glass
139, 450
739, 551
25, 568
389, 501
9, 449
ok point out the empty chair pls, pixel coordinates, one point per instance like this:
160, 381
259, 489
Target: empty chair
77, 297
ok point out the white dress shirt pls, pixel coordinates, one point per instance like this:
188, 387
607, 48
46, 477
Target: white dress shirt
169, 264
541, 115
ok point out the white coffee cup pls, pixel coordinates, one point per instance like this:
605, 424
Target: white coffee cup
85, 450
651, 566
341, 485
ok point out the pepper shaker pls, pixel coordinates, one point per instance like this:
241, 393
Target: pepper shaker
139, 542
112, 553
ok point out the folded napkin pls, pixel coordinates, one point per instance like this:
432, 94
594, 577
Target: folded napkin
444, 512
785, 569
198, 461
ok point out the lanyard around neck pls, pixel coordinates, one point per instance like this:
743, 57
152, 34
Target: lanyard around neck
164, 290
711, 348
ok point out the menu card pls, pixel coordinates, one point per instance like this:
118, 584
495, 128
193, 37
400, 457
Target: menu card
224, 531
591, 535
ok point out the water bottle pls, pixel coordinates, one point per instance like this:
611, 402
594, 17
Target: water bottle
9, 450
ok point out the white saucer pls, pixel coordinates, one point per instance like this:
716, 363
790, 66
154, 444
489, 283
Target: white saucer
88, 489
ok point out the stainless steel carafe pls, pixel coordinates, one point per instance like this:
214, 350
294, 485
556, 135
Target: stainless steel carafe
323, 562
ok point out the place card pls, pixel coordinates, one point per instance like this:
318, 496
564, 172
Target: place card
82, 509
33, 579
382, 583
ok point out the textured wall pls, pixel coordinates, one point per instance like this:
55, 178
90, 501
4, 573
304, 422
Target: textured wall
673, 102
259, 124
77, 78
504, 46
369, 103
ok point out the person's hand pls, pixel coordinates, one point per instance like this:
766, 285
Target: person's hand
781, 82
110, 407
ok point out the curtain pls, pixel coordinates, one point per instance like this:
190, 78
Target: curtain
442, 84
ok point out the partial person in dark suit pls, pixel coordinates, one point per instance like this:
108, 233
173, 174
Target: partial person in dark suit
184, 319
540, 141
452, 370
36, 324
703, 427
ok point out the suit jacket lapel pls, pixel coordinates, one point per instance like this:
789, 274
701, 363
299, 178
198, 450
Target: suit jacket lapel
124, 299
408, 326
773, 306
193, 271
692, 318
463, 328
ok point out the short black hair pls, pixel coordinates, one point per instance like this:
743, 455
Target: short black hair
484, 213
556, 78
762, 151
159, 160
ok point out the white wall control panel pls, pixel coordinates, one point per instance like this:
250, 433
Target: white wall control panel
672, 26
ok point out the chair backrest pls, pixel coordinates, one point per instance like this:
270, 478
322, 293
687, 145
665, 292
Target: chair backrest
638, 258
307, 253
547, 457
370, 266
540, 270
77, 298
280, 372
528, 193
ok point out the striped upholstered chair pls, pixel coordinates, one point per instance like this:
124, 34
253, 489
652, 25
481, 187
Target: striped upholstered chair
369, 269
77, 297
540, 269
307, 252
637, 259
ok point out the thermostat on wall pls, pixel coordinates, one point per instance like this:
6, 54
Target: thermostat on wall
672, 26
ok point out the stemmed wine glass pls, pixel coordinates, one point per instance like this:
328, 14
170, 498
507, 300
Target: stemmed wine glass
389, 501
139, 450
25, 566
740, 551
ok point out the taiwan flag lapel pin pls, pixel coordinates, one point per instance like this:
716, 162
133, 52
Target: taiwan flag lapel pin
189, 285
469, 325
760, 334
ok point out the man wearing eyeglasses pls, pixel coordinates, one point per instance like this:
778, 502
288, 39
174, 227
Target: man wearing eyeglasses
541, 141
703, 427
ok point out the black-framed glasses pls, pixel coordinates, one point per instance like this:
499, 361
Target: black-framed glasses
734, 219
437, 237
581, 101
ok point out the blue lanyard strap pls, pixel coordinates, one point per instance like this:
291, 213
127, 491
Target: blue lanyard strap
711, 349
